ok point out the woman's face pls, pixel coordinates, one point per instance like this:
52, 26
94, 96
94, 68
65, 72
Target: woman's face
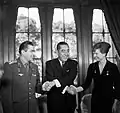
98, 55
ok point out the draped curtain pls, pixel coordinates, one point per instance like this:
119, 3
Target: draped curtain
8, 37
46, 18
111, 10
83, 20
1, 56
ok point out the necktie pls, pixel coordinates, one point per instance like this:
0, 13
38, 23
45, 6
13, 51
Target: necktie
27, 67
63, 64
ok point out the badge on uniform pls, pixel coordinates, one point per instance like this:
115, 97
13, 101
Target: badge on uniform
67, 70
33, 74
20, 74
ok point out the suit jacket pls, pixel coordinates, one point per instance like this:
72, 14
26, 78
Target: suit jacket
106, 86
18, 84
57, 101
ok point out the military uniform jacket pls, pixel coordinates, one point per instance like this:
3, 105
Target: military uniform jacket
18, 84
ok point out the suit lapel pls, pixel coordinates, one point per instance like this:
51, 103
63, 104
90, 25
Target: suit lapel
105, 68
58, 65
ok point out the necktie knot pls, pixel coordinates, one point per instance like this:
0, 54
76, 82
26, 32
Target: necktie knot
27, 66
63, 63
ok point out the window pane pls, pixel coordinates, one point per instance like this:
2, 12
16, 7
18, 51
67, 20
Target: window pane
69, 20
29, 16
20, 37
71, 40
57, 20
38, 62
36, 39
56, 38
34, 20
102, 35
97, 37
97, 21
22, 20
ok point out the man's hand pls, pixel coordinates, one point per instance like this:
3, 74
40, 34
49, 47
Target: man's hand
1, 73
76, 89
37, 95
114, 107
48, 85
71, 90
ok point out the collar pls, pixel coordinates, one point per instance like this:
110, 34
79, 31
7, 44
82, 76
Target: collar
61, 62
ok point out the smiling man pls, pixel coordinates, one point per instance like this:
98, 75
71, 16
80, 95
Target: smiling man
60, 74
20, 82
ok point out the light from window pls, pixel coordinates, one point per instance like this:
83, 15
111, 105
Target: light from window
100, 33
64, 29
28, 27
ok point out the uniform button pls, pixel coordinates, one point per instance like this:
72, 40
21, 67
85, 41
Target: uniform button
29, 97
30, 88
29, 93
29, 83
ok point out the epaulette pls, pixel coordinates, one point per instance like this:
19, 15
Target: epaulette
12, 61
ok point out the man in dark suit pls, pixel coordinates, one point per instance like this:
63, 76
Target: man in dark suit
21, 82
60, 74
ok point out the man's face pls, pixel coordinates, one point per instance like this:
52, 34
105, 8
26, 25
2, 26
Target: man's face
63, 53
28, 55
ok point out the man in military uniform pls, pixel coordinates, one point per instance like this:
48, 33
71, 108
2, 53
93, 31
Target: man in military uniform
21, 82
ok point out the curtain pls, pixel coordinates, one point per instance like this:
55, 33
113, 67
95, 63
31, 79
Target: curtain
8, 26
111, 10
83, 20
46, 18
1, 50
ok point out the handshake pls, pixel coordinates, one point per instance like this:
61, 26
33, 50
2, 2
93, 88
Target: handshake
49, 84
74, 90
70, 89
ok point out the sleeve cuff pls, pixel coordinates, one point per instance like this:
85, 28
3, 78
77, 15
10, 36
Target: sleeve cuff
64, 90
57, 83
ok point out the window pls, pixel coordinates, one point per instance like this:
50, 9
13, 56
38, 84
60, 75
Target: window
28, 27
64, 29
100, 32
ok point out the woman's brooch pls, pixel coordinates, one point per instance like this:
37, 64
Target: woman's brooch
107, 73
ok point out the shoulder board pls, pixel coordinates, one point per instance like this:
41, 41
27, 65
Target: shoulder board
12, 61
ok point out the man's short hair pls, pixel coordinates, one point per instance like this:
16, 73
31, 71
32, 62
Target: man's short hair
61, 43
24, 46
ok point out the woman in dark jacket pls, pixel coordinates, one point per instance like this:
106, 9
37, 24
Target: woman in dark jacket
106, 78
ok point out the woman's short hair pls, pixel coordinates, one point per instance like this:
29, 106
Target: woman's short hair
103, 46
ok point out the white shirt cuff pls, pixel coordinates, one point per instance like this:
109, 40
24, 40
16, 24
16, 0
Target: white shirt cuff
57, 83
64, 90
